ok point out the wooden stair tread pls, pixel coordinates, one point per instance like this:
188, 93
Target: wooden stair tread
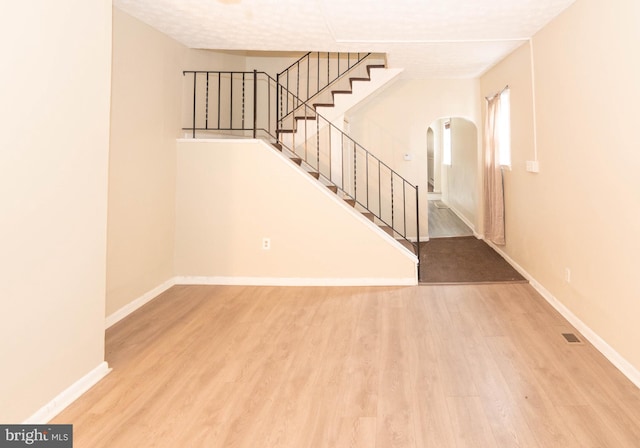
296, 160
351, 202
315, 174
333, 188
387, 229
370, 216
362, 78
408, 244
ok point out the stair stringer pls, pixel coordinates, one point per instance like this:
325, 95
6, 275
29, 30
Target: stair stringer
317, 239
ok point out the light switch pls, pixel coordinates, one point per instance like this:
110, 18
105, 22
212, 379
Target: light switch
533, 166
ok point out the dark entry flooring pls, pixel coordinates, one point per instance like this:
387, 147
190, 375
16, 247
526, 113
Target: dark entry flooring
464, 259
454, 255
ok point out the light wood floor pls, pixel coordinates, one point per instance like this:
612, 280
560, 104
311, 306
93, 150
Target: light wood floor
443, 222
428, 366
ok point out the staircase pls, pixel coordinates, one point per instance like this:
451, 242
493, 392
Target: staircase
330, 97
308, 129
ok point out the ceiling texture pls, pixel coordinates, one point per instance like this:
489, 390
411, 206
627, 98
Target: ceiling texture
428, 38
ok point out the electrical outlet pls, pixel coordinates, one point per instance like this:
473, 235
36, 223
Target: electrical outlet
266, 243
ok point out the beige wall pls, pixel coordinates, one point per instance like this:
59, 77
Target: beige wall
388, 134
462, 175
54, 121
231, 195
581, 211
145, 121
147, 96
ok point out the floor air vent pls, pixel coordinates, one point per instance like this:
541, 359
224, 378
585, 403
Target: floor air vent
571, 338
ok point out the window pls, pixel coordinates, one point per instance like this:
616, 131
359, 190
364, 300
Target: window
504, 129
446, 144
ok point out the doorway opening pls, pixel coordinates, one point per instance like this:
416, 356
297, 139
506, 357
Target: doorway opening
452, 170
453, 254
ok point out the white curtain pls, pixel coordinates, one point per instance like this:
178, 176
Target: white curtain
493, 185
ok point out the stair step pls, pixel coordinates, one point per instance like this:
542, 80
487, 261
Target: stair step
315, 174
387, 229
278, 146
408, 244
346, 92
351, 202
362, 78
297, 160
333, 188
351, 80
322, 104
369, 67
369, 216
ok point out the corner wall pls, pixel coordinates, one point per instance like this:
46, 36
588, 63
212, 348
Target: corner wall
54, 122
580, 212
146, 119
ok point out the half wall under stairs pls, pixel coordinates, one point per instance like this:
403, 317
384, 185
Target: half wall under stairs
233, 195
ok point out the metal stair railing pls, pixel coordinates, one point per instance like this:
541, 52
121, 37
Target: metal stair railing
243, 104
359, 175
314, 72
235, 104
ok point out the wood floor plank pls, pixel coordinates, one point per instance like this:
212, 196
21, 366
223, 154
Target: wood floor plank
508, 425
395, 421
540, 413
428, 366
469, 423
356, 432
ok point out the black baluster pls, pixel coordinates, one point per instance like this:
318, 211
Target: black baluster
194, 105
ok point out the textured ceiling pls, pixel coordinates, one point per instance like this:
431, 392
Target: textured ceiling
428, 38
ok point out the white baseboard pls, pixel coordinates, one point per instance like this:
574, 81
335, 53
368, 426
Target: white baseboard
253, 281
296, 281
627, 369
465, 220
69, 395
137, 303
